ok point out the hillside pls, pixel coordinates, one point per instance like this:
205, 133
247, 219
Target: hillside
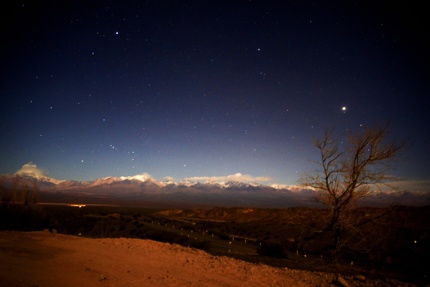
45, 259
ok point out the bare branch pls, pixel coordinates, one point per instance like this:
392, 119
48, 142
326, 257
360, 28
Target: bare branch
351, 173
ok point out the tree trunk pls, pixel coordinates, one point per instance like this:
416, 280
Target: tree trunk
337, 235
334, 218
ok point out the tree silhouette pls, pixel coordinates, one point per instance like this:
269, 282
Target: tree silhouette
349, 171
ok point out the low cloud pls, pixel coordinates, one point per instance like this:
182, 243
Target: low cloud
30, 169
237, 177
293, 187
142, 177
412, 185
169, 179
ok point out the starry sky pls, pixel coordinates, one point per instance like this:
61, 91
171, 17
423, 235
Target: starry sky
190, 89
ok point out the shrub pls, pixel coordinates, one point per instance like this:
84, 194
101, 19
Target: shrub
271, 249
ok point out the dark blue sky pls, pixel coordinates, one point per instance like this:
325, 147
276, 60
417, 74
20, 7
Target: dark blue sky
206, 88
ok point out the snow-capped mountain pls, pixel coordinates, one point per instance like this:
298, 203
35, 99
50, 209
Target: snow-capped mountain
144, 190
126, 180
42, 182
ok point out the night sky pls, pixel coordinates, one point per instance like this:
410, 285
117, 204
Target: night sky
191, 89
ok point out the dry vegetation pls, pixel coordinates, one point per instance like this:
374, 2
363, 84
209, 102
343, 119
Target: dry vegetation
392, 243
43, 259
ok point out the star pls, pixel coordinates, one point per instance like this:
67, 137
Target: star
137, 91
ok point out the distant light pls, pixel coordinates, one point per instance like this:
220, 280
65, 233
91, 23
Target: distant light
77, 205
343, 109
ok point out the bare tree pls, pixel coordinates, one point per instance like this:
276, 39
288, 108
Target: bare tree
351, 170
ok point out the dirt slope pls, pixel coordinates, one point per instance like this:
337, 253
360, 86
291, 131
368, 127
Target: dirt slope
43, 259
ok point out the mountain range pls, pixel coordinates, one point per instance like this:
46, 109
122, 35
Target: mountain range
143, 190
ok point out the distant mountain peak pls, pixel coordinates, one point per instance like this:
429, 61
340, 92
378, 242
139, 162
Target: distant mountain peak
144, 188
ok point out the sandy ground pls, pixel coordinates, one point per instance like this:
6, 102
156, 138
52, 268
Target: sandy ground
44, 259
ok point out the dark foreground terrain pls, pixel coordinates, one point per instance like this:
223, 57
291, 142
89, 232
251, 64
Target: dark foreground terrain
47, 259
383, 243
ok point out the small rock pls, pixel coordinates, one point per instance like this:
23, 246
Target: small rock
54, 231
342, 282
360, 278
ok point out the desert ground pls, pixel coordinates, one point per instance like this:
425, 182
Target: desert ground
31, 259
